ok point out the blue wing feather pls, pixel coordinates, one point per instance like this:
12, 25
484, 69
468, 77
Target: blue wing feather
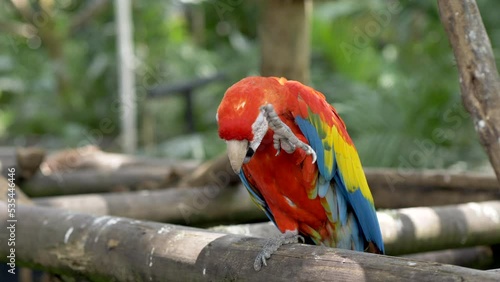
366, 214
312, 136
363, 209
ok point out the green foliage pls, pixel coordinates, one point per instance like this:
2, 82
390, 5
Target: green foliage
395, 83
385, 65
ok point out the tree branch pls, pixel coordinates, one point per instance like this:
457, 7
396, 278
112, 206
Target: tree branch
479, 80
110, 248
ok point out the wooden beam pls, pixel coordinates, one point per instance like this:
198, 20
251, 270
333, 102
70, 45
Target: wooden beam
84, 181
90, 170
5, 191
193, 206
393, 188
25, 161
120, 249
431, 178
423, 229
474, 257
479, 80
404, 231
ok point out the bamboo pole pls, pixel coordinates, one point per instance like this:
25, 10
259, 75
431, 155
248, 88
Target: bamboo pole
120, 249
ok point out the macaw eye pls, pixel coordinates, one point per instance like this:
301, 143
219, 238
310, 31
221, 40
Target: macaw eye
249, 155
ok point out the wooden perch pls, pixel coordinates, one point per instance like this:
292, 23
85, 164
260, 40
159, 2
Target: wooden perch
90, 170
423, 229
217, 171
95, 180
391, 188
26, 161
474, 257
91, 157
404, 231
495, 270
136, 174
415, 230
430, 178
479, 80
120, 249
194, 206
19, 195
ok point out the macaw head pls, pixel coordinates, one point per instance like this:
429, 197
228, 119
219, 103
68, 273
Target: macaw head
241, 122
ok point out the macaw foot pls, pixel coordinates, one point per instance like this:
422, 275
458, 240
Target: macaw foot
283, 136
289, 237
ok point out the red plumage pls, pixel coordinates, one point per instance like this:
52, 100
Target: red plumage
328, 201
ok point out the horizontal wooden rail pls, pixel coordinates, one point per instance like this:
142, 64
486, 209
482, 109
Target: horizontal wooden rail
120, 249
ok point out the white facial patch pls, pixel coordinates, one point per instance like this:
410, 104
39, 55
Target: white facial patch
259, 129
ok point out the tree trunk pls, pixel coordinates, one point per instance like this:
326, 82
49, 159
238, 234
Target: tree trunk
284, 31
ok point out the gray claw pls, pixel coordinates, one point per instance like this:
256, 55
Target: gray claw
283, 134
289, 237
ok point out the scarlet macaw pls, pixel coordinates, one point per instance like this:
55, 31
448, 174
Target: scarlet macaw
317, 190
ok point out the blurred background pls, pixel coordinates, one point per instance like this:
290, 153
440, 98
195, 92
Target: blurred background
396, 87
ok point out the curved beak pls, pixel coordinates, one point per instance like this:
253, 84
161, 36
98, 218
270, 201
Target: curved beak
236, 151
